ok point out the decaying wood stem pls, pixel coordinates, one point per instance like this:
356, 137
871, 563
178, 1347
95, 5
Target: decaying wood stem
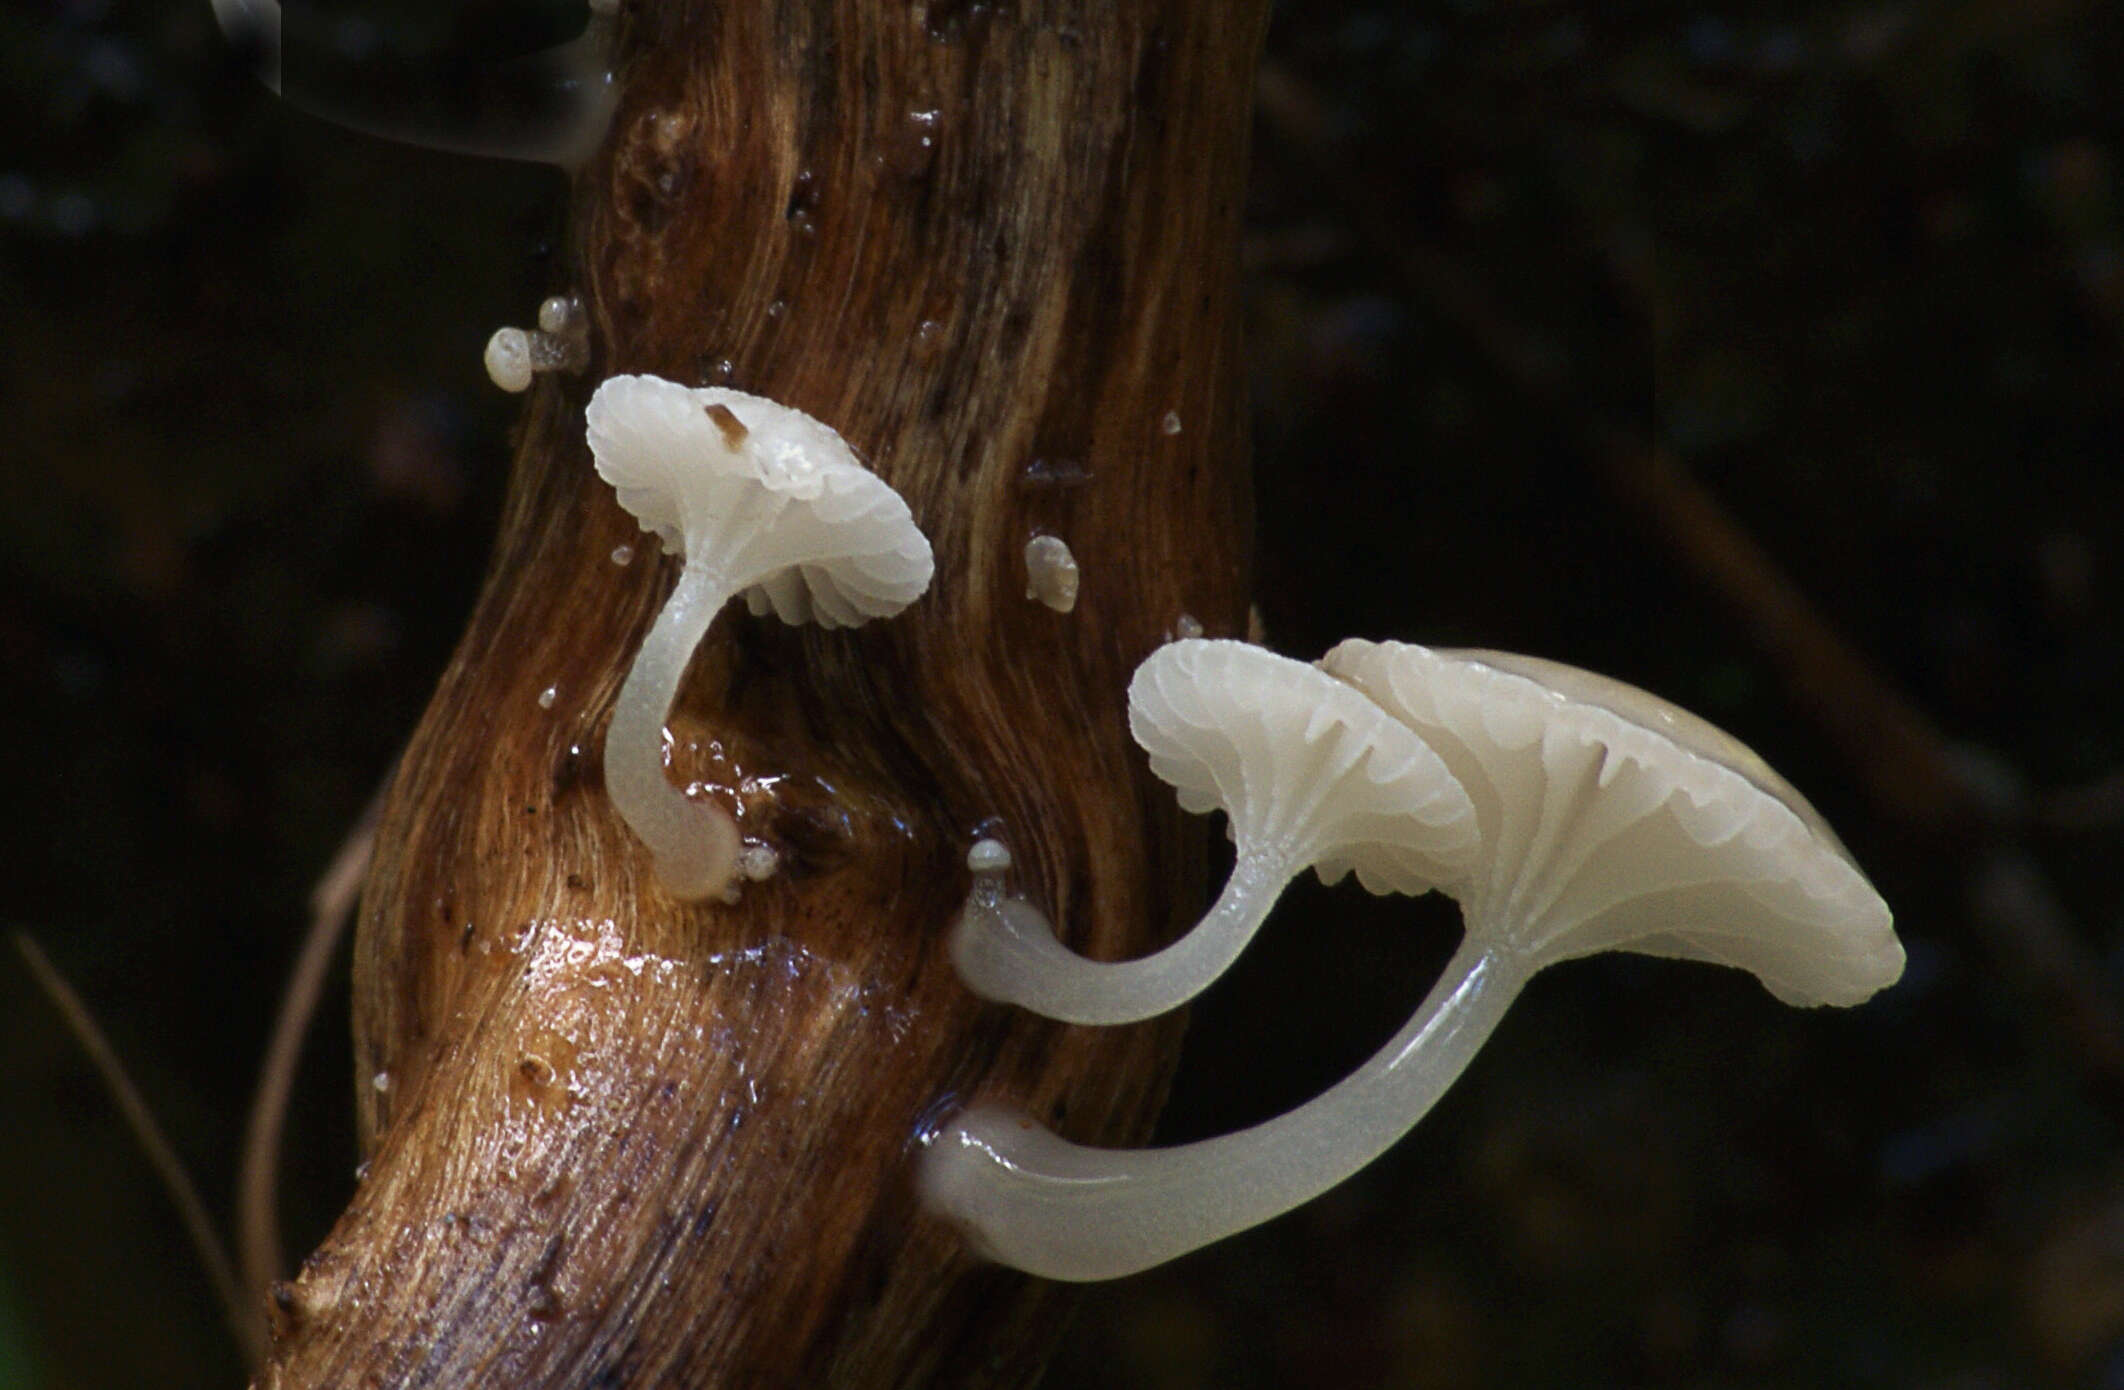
616, 1140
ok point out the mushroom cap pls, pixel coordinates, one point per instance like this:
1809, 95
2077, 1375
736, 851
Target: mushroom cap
777, 506
1614, 821
1304, 766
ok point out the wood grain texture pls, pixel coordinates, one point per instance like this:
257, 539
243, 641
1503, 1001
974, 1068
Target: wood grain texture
617, 1140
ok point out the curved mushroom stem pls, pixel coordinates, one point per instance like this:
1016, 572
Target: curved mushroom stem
1006, 951
1046, 1206
695, 843
551, 107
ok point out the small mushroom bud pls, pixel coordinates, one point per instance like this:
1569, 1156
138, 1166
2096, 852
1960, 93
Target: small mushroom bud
560, 343
1051, 574
508, 359
1609, 819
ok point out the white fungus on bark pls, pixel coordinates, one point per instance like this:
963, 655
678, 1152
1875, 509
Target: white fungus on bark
562, 316
1051, 574
1609, 820
508, 360
1309, 773
760, 499
988, 856
560, 343
991, 918
756, 863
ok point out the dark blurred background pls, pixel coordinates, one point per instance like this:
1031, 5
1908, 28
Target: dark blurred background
1595, 331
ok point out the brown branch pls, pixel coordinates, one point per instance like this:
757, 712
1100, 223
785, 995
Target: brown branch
168, 1168
257, 1180
623, 1140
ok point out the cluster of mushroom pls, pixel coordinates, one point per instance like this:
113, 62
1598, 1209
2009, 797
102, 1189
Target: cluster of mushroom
560, 343
1566, 812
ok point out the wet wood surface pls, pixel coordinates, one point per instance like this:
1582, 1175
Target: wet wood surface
614, 1139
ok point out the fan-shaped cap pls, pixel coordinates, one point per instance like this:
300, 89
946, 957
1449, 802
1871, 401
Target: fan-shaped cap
772, 500
1612, 820
1301, 763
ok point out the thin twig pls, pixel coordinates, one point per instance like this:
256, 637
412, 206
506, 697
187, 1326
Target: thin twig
249, 1331
2015, 905
257, 1189
1902, 757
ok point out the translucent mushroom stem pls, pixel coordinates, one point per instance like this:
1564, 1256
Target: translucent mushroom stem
1044, 1205
1007, 951
694, 843
552, 106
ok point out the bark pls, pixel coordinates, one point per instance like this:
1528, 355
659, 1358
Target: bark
612, 1139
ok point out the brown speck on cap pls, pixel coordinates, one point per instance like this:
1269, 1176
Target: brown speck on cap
733, 429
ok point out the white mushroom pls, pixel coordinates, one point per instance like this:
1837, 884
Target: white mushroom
560, 343
1610, 821
508, 360
757, 497
1614, 820
1309, 772
1051, 574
